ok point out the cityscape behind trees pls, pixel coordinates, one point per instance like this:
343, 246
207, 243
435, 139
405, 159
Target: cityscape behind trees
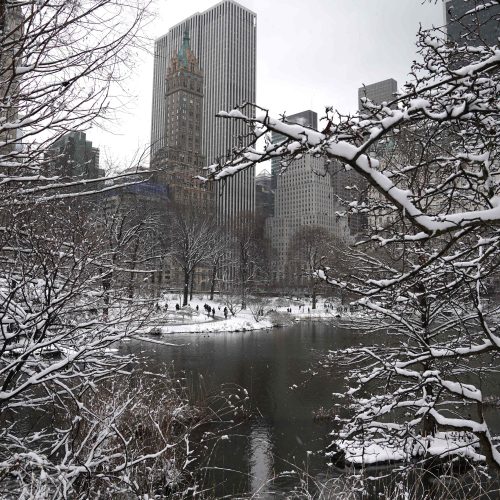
388, 214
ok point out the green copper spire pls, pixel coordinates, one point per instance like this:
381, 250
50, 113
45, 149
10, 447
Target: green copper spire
182, 55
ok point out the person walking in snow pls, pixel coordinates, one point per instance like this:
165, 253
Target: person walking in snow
225, 312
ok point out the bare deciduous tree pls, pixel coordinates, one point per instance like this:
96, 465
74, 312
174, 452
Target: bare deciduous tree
61, 62
193, 234
249, 256
311, 248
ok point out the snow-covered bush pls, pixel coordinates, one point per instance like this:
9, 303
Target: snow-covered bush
279, 318
61, 304
143, 435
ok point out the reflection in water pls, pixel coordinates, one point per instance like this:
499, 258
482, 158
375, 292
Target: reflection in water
261, 460
272, 366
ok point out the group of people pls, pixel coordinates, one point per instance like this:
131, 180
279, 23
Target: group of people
209, 310
301, 308
350, 308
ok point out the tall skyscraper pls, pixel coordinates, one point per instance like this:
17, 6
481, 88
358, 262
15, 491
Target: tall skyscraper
347, 184
472, 28
379, 92
224, 40
304, 197
264, 196
305, 118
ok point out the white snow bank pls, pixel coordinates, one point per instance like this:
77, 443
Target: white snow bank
233, 324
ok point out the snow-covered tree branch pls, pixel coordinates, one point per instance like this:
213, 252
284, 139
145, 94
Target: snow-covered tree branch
429, 257
68, 267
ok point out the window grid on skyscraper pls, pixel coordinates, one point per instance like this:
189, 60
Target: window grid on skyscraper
224, 39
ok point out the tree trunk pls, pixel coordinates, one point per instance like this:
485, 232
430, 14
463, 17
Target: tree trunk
185, 291
132, 272
243, 289
243, 297
191, 284
130, 293
106, 287
214, 278
429, 425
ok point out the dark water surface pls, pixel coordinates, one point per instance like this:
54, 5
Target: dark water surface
273, 365
269, 364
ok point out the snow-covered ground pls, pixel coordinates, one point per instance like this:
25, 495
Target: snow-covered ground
278, 311
194, 318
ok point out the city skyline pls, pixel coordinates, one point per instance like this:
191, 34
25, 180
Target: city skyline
329, 74
342, 340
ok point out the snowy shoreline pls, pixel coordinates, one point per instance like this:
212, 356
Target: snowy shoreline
192, 319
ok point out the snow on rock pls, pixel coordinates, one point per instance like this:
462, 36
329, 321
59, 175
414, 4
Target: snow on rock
377, 451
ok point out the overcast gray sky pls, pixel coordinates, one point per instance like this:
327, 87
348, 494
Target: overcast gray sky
310, 54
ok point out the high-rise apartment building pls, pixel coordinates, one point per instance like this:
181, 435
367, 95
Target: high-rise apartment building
472, 28
304, 197
306, 118
224, 41
264, 196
